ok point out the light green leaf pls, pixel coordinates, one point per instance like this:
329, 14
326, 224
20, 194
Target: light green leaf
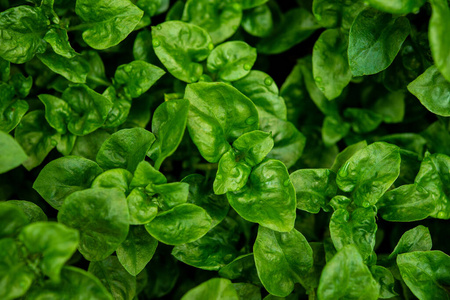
12, 155
437, 34
216, 288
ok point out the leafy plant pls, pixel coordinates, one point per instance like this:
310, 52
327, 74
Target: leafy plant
239, 149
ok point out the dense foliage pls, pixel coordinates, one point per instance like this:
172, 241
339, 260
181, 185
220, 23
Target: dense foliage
224, 149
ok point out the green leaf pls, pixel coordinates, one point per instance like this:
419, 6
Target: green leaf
201, 194
182, 224
330, 63
55, 243
23, 28
370, 172
247, 291
103, 17
33, 212
64, 176
21, 84
5, 70
57, 112
141, 209
168, 195
114, 277
337, 13
241, 269
345, 154
137, 77
231, 60
125, 149
258, 21
223, 19
416, 239
15, 277
74, 69
96, 75
288, 141
216, 288
363, 120
12, 220
89, 109
120, 109
346, 276
145, 174
232, 174
36, 138
87, 146
333, 130
374, 41
168, 125
253, 146
268, 198
11, 110
212, 251
296, 26
386, 281
428, 196
391, 107
314, 188
137, 250
398, 7
439, 39
218, 114
75, 284
12, 155
433, 91
59, 41
357, 228
263, 91
100, 233
281, 258
114, 178
426, 273
181, 47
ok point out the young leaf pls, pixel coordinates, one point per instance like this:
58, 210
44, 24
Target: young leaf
439, 39
216, 288
12, 155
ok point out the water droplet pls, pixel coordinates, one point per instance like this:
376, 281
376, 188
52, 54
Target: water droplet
193, 79
250, 120
318, 17
366, 204
287, 182
218, 177
247, 67
54, 142
235, 172
210, 46
159, 27
128, 68
318, 79
441, 215
343, 171
268, 81
156, 43
322, 88
139, 91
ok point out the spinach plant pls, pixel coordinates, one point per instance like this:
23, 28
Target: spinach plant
238, 149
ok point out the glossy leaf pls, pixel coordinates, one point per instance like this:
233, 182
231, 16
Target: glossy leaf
59, 41
313, 188
224, 17
345, 154
100, 233
369, 173
337, 13
297, 25
363, 120
268, 198
170, 194
33, 212
137, 250
74, 69
11, 110
346, 276
330, 63
75, 283
182, 224
416, 239
439, 40
241, 268
231, 61
357, 228
64, 176
145, 174
12, 155
432, 90
218, 114
426, 273
55, 242
386, 281
114, 277
12, 220
263, 91
137, 77
114, 178
181, 47
374, 41
36, 138
216, 288
141, 209
258, 21
281, 258
125, 149
23, 28
168, 125
102, 16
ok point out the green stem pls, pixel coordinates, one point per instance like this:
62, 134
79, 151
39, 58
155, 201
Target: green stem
99, 80
81, 26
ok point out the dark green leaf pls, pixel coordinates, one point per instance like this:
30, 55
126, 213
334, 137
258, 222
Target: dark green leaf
12, 155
